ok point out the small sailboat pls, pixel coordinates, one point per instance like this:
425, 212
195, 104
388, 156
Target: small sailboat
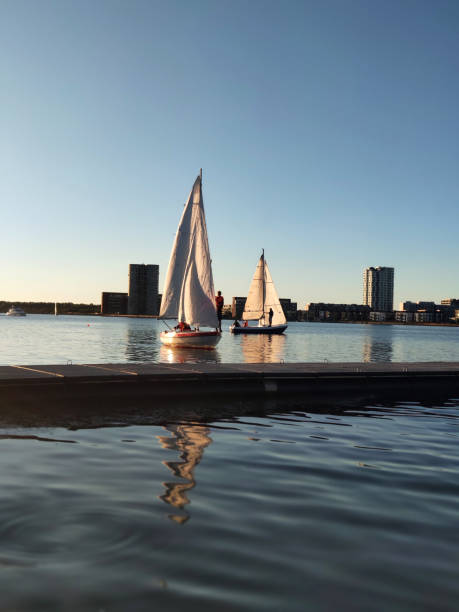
188, 294
262, 305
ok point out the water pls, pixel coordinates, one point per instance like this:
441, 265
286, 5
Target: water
46, 339
283, 506
273, 510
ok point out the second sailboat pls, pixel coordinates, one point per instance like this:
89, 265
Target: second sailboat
262, 305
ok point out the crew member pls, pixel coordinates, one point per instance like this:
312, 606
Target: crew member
219, 300
270, 316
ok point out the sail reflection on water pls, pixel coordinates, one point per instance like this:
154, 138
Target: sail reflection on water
176, 354
263, 348
190, 441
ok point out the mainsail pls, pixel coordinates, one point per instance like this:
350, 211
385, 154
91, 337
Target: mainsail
263, 296
188, 293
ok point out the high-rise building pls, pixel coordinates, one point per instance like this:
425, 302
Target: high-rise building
378, 288
143, 289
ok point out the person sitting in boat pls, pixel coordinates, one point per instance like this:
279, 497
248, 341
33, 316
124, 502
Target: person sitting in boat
246, 323
236, 323
182, 326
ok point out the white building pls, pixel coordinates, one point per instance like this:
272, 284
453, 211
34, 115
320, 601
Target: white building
378, 288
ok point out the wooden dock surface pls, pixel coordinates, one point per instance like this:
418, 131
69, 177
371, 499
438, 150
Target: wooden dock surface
29, 384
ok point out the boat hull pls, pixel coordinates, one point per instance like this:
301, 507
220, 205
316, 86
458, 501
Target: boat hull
266, 329
191, 339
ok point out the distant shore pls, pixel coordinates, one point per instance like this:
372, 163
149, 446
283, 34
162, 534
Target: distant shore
145, 316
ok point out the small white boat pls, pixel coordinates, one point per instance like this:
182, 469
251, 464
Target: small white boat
262, 305
16, 311
188, 294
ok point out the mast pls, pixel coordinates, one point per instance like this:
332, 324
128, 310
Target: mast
264, 282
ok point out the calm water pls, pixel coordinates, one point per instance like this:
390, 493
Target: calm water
283, 507
45, 339
355, 510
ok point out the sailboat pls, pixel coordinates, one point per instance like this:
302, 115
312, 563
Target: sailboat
261, 300
188, 294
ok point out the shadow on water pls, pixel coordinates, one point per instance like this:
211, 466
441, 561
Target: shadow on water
163, 412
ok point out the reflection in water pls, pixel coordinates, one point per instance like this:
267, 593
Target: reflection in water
377, 347
141, 344
168, 354
190, 441
262, 348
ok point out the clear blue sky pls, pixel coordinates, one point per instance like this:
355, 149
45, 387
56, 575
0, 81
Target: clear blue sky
327, 133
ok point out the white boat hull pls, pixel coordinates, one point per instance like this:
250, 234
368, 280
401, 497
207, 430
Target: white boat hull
259, 329
191, 339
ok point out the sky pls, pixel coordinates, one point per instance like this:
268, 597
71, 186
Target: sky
328, 134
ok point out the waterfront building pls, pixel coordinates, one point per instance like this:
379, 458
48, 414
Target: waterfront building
425, 312
113, 302
143, 289
378, 288
404, 316
453, 302
320, 311
428, 306
290, 308
408, 306
237, 307
379, 316
424, 316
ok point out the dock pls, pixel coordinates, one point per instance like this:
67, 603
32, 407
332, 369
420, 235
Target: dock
105, 385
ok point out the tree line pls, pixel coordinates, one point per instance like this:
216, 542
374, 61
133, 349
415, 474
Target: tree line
48, 307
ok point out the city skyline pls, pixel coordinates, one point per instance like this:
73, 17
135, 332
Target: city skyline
327, 136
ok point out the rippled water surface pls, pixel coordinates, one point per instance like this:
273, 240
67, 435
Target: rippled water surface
283, 506
40, 339
352, 509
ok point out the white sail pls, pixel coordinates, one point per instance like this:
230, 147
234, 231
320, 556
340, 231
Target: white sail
253, 309
188, 293
272, 301
262, 297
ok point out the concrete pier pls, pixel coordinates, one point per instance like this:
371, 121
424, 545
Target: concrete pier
154, 383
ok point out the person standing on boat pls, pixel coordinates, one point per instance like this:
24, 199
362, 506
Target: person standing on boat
270, 316
219, 300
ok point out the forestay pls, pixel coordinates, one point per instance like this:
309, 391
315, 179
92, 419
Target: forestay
189, 289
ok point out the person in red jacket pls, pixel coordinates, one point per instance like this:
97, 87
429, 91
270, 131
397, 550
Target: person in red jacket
219, 300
